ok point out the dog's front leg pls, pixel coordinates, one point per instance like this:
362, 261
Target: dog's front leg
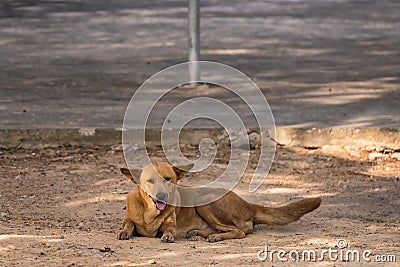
168, 228
128, 229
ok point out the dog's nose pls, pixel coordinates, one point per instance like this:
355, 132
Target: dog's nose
161, 196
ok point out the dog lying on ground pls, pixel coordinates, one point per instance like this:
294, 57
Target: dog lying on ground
148, 214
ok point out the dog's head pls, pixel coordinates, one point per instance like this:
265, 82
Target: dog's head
158, 181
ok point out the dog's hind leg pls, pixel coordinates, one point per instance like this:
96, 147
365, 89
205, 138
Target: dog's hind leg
222, 230
203, 233
228, 232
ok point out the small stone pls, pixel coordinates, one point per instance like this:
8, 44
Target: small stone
254, 140
151, 261
396, 156
105, 249
375, 155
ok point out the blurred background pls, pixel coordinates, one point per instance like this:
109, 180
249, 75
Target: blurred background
77, 63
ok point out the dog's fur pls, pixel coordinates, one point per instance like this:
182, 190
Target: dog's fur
226, 218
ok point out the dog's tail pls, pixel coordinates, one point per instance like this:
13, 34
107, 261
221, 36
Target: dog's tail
285, 214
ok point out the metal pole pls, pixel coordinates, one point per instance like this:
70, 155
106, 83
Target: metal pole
194, 40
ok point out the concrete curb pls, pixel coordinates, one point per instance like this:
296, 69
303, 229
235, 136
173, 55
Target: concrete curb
361, 137
376, 138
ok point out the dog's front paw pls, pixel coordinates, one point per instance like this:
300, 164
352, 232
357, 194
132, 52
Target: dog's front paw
124, 235
214, 238
167, 238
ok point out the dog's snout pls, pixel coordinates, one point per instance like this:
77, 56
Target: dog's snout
162, 196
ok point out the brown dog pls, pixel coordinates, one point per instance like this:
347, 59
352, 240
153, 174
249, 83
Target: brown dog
148, 214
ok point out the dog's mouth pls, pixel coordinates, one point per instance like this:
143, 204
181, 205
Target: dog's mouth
160, 201
160, 205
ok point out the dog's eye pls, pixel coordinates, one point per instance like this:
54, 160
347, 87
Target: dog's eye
150, 181
167, 179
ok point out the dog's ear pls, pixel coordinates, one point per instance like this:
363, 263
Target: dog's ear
182, 170
131, 177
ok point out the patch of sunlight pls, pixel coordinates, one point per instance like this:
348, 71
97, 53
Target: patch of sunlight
115, 180
376, 190
299, 125
305, 52
366, 121
7, 248
127, 263
207, 246
234, 256
335, 99
318, 241
120, 263
338, 93
283, 190
383, 53
287, 84
102, 197
301, 193
240, 51
321, 194
48, 238
6, 41
266, 41
155, 45
168, 254
381, 227
377, 84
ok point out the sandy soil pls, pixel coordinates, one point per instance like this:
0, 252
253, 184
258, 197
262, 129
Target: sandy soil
64, 206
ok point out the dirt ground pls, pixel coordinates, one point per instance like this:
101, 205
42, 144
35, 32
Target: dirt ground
64, 206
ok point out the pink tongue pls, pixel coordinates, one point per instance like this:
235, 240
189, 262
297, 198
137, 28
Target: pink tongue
161, 205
